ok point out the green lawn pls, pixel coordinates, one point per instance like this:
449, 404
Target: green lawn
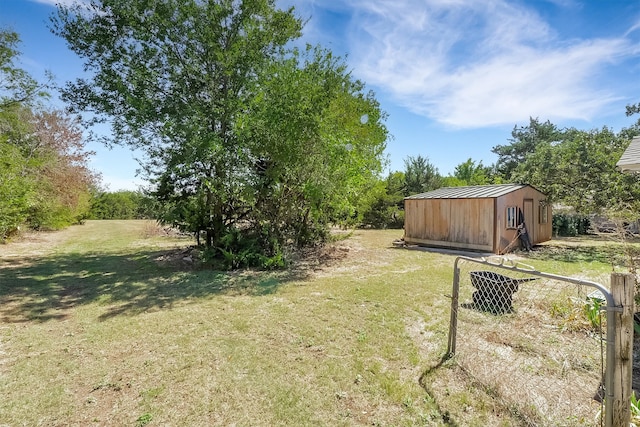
106, 324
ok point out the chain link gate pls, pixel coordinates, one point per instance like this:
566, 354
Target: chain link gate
536, 339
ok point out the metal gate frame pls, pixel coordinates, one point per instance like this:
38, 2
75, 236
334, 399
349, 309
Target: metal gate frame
526, 269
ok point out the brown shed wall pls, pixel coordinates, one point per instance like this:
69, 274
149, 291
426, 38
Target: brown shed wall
456, 223
538, 231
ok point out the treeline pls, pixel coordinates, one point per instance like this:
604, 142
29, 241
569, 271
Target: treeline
45, 181
575, 168
122, 205
384, 205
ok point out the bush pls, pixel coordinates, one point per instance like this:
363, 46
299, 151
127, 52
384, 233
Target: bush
245, 248
566, 224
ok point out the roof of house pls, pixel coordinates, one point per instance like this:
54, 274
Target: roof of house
630, 160
470, 192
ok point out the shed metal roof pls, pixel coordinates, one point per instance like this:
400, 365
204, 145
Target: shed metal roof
469, 192
630, 160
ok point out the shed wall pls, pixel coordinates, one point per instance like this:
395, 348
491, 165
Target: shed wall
454, 223
538, 230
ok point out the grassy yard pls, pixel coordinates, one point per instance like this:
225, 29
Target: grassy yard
103, 324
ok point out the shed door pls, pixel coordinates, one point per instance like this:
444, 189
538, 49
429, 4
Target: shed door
529, 221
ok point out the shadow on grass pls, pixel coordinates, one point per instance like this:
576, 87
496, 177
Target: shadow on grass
46, 288
424, 382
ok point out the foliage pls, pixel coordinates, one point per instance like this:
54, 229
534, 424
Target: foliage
420, 175
452, 181
471, 173
635, 408
524, 141
17, 87
122, 205
314, 156
17, 185
573, 167
144, 419
242, 249
64, 180
386, 205
244, 137
570, 224
593, 311
44, 177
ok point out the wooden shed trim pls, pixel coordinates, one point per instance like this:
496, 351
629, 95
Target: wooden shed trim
448, 244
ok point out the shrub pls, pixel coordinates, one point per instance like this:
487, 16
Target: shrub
245, 248
568, 224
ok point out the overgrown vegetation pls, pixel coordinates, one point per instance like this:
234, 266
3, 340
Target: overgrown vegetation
45, 181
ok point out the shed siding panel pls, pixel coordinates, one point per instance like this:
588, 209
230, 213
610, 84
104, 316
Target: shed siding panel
441, 218
459, 223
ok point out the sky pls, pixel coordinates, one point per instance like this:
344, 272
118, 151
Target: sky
454, 76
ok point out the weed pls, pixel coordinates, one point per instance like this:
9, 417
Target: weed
635, 408
144, 419
593, 311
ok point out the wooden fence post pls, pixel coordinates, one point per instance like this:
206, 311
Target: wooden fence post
623, 290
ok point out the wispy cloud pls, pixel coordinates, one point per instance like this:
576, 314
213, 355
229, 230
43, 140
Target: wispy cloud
471, 64
58, 2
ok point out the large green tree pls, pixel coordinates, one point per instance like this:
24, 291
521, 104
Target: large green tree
242, 135
172, 77
472, 173
315, 140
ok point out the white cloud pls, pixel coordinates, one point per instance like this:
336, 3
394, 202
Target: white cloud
472, 64
59, 2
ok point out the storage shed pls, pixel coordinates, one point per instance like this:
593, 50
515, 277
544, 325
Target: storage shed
478, 218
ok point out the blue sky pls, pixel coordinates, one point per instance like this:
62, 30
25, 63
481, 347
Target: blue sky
455, 76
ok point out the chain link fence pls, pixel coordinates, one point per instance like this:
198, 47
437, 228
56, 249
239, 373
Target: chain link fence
536, 340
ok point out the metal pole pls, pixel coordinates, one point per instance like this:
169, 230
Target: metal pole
611, 360
453, 323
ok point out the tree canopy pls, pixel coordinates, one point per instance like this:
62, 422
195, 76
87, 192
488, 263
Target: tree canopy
578, 169
524, 141
246, 139
45, 181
